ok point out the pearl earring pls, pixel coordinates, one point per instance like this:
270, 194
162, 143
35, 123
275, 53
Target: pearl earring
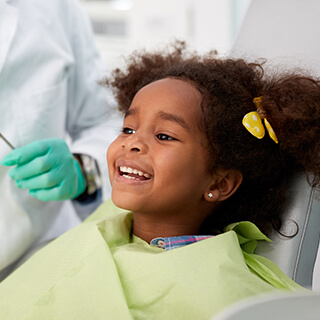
210, 195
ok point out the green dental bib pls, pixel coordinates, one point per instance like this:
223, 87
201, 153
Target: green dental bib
98, 270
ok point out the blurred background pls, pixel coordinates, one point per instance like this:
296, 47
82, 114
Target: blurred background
120, 26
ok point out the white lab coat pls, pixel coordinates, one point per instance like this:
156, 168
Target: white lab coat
49, 69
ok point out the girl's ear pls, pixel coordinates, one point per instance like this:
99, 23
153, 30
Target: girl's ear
224, 185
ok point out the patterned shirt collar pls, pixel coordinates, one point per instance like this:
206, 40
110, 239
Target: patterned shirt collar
169, 243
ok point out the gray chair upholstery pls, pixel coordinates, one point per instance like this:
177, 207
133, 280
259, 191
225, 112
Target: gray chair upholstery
296, 256
275, 307
287, 31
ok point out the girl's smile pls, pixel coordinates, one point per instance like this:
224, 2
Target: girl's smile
158, 164
129, 173
135, 174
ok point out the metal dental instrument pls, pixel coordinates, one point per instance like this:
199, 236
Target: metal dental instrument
6, 141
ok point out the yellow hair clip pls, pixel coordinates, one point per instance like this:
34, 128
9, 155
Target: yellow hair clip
252, 121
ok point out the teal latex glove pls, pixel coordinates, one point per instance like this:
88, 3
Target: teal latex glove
48, 169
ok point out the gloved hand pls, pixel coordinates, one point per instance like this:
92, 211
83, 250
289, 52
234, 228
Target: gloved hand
48, 169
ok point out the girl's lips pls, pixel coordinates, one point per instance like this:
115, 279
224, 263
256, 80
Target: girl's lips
130, 173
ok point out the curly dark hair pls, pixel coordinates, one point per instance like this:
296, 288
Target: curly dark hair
291, 102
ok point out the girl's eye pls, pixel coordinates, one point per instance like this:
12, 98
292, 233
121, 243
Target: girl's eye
162, 136
128, 131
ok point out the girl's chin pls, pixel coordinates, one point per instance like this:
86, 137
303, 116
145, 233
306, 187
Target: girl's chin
123, 201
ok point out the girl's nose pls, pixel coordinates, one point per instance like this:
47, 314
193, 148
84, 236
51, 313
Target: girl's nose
134, 143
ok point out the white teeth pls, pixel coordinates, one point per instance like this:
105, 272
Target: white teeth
134, 171
129, 177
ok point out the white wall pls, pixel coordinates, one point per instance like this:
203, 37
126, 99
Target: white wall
124, 25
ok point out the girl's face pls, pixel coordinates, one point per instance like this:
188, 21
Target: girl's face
158, 164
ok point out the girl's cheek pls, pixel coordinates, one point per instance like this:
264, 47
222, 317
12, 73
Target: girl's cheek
110, 157
111, 150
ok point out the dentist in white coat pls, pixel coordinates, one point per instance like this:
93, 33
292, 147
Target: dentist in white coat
49, 68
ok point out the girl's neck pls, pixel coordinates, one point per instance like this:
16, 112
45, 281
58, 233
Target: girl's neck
148, 229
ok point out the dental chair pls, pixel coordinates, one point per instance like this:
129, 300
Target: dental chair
275, 307
296, 256
288, 31
285, 31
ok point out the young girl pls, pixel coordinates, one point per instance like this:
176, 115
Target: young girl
196, 175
